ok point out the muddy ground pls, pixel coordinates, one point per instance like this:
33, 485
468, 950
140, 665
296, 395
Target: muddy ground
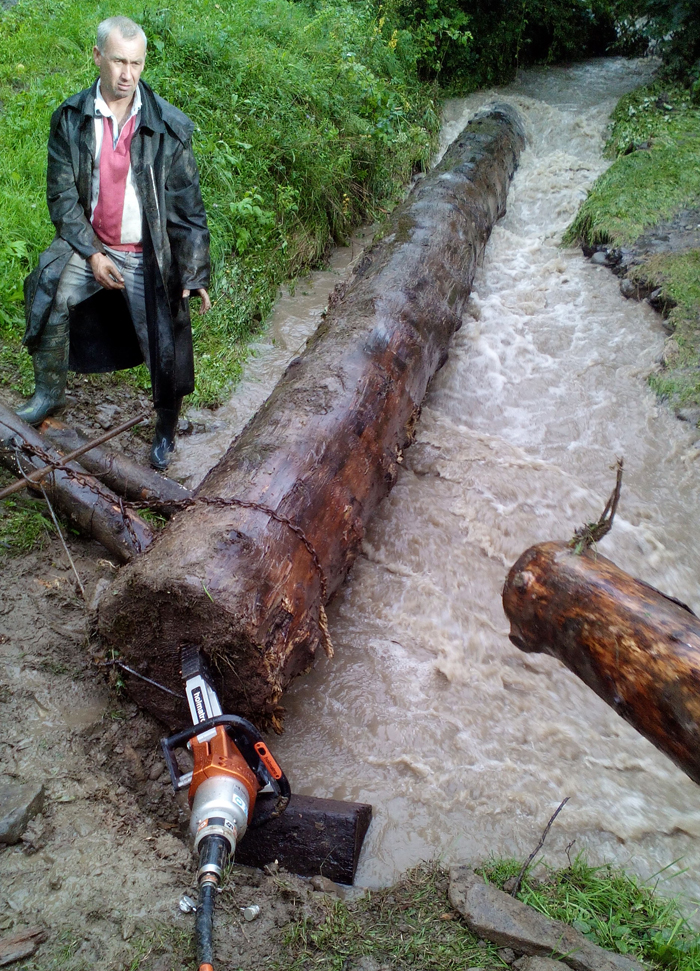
103, 867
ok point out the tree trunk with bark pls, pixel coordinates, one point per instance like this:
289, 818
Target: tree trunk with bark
89, 506
320, 454
638, 649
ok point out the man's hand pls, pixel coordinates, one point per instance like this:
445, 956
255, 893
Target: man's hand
105, 272
206, 302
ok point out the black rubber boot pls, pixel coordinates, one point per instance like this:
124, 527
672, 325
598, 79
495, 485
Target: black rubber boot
164, 437
50, 362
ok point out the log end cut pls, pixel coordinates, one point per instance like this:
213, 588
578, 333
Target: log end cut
637, 648
256, 640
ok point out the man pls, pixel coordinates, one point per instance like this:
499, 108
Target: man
131, 241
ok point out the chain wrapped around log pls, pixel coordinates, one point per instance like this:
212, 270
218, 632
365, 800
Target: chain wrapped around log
88, 505
638, 649
120, 473
323, 451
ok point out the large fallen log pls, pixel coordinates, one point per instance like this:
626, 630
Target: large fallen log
123, 475
321, 454
638, 649
87, 504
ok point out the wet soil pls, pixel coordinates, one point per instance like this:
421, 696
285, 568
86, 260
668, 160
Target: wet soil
104, 865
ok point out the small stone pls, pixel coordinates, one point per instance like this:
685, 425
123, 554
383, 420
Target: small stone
327, 886
628, 289
18, 804
367, 963
84, 827
510, 885
106, 415
21, 944
55, 881
540, 964
506, 954
128, 928
156, 771
691, 415
600, 258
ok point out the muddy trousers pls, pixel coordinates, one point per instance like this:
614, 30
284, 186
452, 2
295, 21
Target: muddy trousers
50, 359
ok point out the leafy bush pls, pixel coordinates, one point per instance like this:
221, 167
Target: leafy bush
477, 42
673, 27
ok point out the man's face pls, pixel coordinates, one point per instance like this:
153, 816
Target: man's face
120, 64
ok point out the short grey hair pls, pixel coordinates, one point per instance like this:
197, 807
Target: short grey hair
126, 27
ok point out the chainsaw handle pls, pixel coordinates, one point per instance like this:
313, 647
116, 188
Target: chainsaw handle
250, 743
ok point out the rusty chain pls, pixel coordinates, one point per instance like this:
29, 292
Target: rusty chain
90, 482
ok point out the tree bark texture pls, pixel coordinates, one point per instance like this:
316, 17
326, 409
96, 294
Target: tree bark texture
92, 508
323, 451
638, 649
124, 476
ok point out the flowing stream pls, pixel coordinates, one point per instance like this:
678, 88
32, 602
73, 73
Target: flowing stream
463, 745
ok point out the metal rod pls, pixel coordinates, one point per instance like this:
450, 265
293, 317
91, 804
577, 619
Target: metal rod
50, 466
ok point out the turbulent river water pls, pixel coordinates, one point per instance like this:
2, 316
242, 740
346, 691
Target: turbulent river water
463, 745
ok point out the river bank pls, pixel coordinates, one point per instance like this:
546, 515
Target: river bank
642, 219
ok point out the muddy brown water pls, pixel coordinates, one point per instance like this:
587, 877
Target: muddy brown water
463, 745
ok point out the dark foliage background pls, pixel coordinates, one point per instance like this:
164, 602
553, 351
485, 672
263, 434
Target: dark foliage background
478, 42
469, 43
673, 28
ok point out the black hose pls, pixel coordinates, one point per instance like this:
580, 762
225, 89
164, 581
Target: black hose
204, 923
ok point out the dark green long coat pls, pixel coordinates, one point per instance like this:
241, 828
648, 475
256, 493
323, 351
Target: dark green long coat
175, 244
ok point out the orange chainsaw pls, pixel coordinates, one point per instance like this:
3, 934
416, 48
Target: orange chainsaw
235, 783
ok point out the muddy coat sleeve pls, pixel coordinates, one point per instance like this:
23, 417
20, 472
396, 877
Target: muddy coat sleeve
66, 212
186, 220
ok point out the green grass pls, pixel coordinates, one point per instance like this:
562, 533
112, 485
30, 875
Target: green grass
411, 925
678, 274
645, 186
612, 909
307, 123
24, 522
